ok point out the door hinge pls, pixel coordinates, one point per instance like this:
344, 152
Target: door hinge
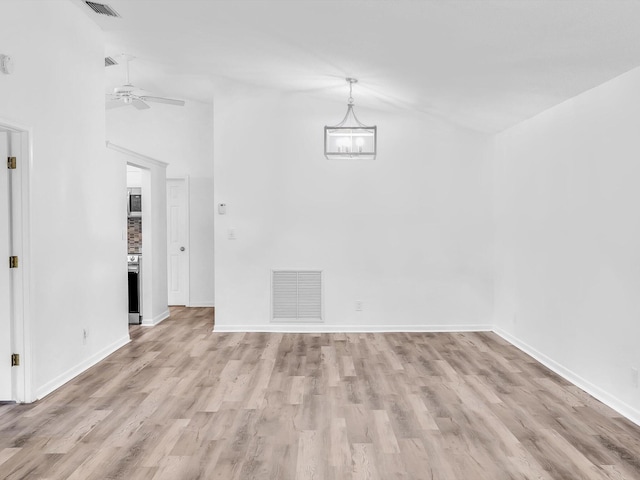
13, 262
11, 163
15, 359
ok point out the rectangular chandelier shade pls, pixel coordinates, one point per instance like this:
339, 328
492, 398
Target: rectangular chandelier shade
344, 143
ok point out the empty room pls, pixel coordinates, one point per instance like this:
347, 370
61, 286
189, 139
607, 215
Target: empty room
320, 239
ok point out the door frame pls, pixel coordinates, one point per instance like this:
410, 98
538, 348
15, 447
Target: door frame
21, 146
185, 179
154, 232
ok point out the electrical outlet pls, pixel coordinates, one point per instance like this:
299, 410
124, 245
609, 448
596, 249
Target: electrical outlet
231, 233
634, 377
359, 305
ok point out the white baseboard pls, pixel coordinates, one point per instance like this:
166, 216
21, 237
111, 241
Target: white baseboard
201, 305
73, 372
155, 320
631, 413
619, 406
323, 328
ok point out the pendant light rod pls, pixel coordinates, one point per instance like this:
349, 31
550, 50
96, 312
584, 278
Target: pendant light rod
351, 81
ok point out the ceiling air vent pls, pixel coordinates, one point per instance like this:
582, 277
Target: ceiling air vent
296, 296
102, 9
108, 61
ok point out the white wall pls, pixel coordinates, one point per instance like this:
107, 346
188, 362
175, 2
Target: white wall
183, 138
567, 208
408, 234
76, 201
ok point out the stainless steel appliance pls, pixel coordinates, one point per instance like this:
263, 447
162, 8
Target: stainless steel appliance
135, 288
134, 202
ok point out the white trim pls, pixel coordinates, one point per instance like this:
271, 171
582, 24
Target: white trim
323, 328
26, 392
15, 127
618, 405
146, 280
156, 320
21, 323
201, 305
146, 162
73, 372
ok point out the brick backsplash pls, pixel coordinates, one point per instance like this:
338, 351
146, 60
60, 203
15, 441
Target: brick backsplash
134, 234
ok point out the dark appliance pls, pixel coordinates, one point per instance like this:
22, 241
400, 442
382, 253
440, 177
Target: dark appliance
135, 288
135, 204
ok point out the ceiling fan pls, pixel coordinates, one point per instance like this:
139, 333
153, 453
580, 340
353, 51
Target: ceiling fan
128, 94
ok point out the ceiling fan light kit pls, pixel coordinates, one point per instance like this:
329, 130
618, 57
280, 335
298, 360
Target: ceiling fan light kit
127, 94
350, 138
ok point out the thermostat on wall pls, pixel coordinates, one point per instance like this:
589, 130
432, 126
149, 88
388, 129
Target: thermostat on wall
6, 64
222, 208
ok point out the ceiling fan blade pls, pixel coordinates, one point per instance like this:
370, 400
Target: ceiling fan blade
169, 101
114, 103
139, 104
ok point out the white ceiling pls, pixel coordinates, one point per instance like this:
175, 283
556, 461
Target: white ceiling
485, 64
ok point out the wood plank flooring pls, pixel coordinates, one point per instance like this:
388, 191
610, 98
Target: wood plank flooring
181, 402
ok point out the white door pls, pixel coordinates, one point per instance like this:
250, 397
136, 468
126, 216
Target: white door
5, 274
178, 240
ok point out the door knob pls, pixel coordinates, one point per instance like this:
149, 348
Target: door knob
182, 249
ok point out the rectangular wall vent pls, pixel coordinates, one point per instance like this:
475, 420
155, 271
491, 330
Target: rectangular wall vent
108, 61
102, 9
296, 296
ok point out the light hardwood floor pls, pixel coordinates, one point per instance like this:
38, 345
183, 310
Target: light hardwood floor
180, 402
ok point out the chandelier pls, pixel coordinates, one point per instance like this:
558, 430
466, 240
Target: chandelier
350, 138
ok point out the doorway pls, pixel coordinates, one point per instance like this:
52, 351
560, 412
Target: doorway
134, 243
14, 275
153, 267
178, 251
139, 213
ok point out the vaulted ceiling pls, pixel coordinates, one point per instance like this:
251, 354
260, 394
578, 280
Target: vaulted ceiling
484, 64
